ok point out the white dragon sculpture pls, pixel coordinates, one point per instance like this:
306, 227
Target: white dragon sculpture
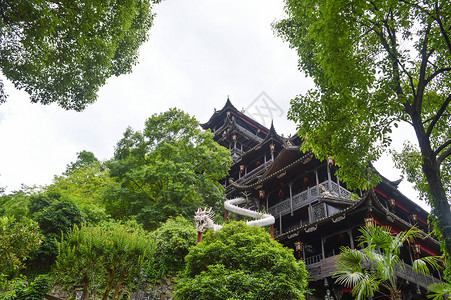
204, 218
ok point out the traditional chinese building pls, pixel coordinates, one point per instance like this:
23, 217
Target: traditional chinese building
315, 212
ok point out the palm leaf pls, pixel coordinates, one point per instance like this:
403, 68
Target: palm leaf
439, 291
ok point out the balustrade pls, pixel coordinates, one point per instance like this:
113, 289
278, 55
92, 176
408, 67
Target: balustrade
305, 197
320, 268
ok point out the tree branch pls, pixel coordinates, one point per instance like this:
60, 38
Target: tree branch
142, 189
395, 54
437, 72
418, 100
443, 146
438, 115
443, 156
442, 29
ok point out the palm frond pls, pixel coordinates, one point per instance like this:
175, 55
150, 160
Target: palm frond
376, 236
351, 259
365, 287
421, 265
439, 291
348, 278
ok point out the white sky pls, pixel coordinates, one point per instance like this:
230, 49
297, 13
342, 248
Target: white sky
199, 52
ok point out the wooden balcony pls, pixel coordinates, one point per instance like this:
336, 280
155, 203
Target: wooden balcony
308, 196
321, 268
257, 170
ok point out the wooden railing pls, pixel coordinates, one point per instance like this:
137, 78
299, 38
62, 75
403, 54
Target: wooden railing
321, 268
305, 197
254, 171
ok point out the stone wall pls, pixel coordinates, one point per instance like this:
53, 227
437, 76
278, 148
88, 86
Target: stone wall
162, 290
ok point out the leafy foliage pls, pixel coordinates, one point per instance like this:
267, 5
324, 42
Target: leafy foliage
19, 289
376, 64
172, 241
170, 168
241, 262
63, 51
102, 257
85, 184
374, 268
55, 215
84, 158
17, 240
16, 203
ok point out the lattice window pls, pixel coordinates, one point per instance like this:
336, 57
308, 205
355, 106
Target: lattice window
318, 211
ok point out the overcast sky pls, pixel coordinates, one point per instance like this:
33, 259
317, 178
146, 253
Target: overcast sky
198, 54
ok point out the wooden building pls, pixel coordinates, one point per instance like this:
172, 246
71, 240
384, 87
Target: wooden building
315, 213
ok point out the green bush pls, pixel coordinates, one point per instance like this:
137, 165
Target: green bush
19, 289
172, 243
241, 262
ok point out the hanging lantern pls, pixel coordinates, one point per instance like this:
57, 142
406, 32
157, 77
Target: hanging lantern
392, 202
413, 217
306, 181
369, 221
234, 137
416, 249
330, 161
298, 246
241, 168
272, 147
261, 194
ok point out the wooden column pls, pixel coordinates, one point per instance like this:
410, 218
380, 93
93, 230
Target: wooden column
318, 191
329, 178
199, 236
351, 240
291, 198
280, 223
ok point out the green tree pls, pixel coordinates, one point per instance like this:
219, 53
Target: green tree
84, 159
172, 241
374, 268
102, 257
170, 168
376, 64
56, 215
17, 240
22, 289
63, 51
85, 185
16, 203
241, 262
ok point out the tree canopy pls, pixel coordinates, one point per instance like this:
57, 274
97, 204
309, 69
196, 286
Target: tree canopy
18, 239
104, 257
63, 51
172, 241
241, 262
376, 64
170, 168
